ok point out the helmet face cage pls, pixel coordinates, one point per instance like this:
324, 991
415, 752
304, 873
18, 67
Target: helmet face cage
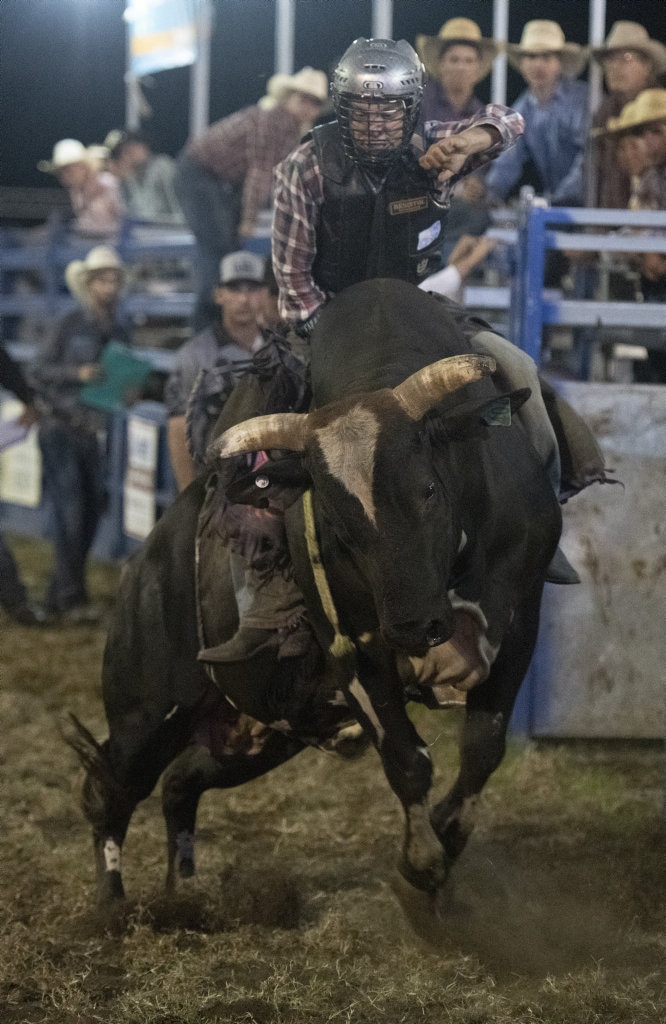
377, 89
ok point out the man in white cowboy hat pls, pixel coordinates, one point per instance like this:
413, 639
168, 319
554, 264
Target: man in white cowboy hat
456, 59
642, 123
69, 431
631, 62
224, 176
554, 107
93, 192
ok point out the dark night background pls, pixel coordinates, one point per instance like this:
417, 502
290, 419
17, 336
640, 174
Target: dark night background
62, 62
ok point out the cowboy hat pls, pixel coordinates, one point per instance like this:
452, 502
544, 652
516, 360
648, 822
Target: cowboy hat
542, 36
629, 35
78, 272
648, 107
65, 152
456, 30
307, 80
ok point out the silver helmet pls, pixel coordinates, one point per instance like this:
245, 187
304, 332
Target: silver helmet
377, 88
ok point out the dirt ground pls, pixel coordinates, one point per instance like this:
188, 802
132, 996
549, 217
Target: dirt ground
556, 911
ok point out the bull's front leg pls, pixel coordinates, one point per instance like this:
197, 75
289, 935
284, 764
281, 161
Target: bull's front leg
375, 696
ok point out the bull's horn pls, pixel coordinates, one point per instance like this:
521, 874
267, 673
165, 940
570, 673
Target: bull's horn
426, 387
278, 430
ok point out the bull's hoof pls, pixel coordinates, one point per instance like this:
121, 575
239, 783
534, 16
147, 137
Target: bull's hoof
186, 868
111, 888
420, 908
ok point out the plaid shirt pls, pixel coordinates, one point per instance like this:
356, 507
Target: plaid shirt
243, 150
299, 194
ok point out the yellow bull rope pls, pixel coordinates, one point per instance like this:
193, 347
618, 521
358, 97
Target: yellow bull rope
342, 645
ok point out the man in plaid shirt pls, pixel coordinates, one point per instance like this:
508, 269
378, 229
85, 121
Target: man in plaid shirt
364, 196
224, 176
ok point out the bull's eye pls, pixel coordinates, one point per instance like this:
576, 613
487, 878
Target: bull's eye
430, 491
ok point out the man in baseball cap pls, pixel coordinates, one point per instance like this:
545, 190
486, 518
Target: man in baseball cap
240, 297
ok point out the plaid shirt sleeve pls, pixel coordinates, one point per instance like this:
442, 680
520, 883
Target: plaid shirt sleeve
509, 123
298, 196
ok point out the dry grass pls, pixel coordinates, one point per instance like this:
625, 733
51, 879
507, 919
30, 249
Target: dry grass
557, 913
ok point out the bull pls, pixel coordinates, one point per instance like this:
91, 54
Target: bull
422, 551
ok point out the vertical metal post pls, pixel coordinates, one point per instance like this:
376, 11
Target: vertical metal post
200, 71
597, 30
527, 285
501, 34
284, 37
382, 19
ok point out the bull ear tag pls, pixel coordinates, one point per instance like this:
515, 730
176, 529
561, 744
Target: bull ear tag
498, 412
262, 482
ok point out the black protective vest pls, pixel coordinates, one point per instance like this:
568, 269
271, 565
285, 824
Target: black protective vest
368, 229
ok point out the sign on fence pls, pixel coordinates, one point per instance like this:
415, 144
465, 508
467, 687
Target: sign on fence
139, 511
21, 464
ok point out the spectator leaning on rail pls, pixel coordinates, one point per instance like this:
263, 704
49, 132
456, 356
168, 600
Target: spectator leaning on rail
146, 178
348, 202
554, 107
93, 192
224, 176
631, 62
70, 433
456, 60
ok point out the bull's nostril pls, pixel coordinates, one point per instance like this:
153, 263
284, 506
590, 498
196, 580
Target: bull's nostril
435, 634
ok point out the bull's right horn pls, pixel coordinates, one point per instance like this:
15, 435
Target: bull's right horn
426, 387
278, 430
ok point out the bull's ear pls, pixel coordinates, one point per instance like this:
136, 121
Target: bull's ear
473, 419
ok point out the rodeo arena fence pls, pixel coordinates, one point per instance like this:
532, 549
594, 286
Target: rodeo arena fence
598, 668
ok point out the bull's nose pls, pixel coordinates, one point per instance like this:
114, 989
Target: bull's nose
436, 633
417, 637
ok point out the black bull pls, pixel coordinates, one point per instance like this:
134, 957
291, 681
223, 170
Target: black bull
433, 528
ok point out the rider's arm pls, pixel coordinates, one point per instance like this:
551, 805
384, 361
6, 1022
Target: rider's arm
298, 196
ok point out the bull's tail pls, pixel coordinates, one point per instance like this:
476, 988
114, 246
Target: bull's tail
100, 789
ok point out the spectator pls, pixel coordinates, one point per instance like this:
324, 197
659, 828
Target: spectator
93, 192
640, 129
70, 432
554, 107
240, 298
456, 60
146, 179
13, 594
631, 62
224, 177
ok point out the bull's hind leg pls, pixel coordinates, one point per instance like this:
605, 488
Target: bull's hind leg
483, 741
108, 801
195, 771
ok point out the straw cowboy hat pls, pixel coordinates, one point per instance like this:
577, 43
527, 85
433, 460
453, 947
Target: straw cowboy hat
78, 272
547, 37
456, 30
65, 152
629, 35
648, 107
307, 80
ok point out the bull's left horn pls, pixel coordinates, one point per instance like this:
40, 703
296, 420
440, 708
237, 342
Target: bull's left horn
426, 387
277, 430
